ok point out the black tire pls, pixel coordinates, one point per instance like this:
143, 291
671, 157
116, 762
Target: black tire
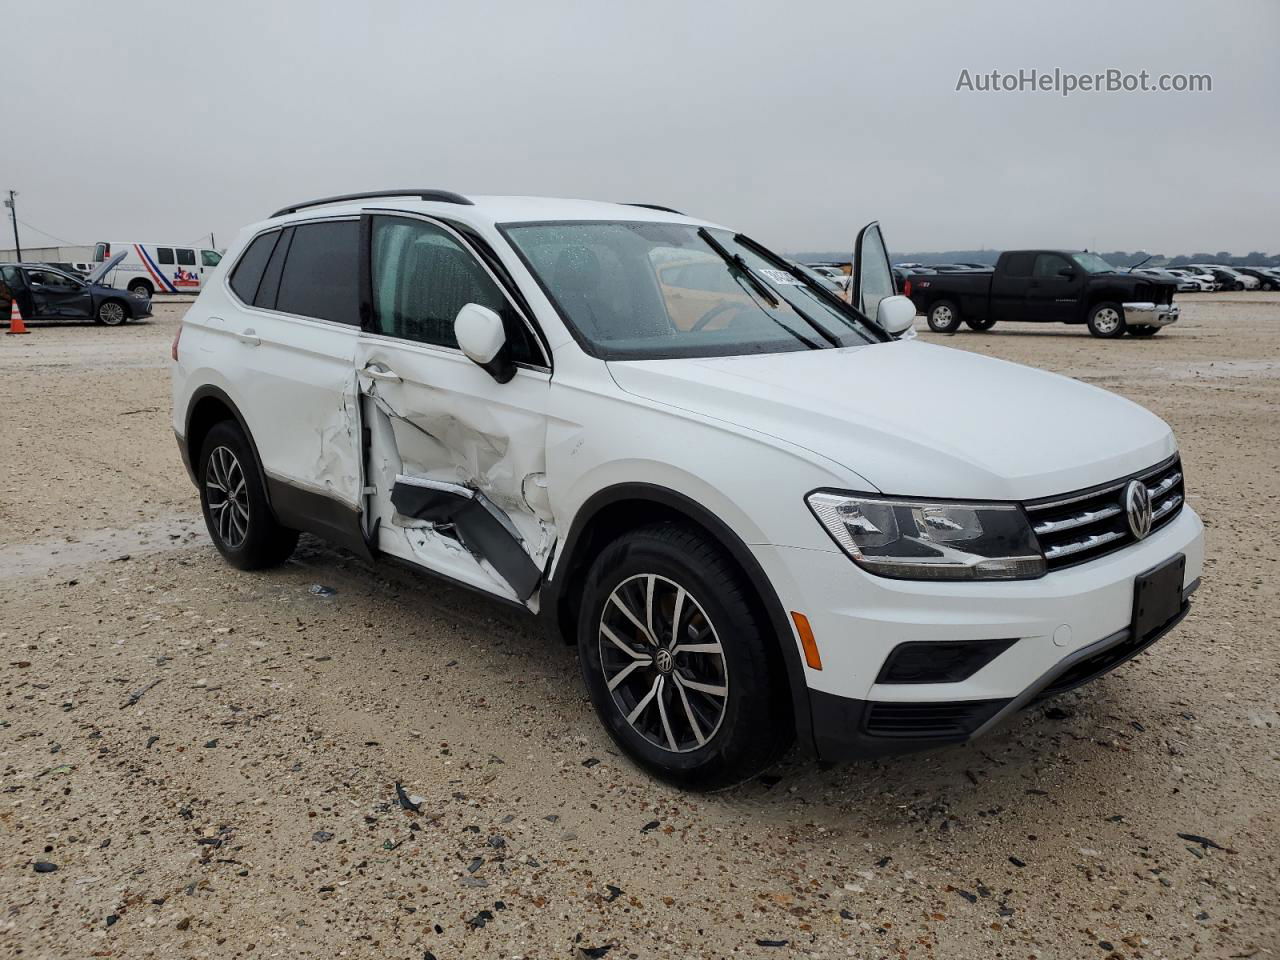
1143, 331
980, 325
141, 289
719, 740
114, 313
944, 317
244, 530
1106, 320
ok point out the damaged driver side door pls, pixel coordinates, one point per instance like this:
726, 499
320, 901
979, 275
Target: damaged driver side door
455, 460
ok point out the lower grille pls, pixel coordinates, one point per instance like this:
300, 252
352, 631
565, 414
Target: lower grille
930, 720
1092, 523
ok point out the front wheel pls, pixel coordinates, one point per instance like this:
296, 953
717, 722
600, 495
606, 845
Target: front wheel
1143, 331
944, 317
980, 325
678, 661
1106, 320
112, 313
234, 502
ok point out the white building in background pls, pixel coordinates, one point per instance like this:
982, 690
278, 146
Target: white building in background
77, 254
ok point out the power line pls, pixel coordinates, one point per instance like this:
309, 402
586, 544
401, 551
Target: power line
45, 233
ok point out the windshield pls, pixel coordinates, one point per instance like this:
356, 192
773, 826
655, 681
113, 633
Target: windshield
642, 291
1092, 263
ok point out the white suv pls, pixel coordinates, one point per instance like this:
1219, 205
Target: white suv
758, 512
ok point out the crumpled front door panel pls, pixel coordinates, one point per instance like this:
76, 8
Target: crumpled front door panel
480, 443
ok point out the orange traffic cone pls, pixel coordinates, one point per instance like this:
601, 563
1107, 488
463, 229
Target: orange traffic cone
15, 318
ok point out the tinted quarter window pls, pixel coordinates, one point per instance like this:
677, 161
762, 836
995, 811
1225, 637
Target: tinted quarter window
422, 277
248, 272
269, 288
186, 258
164, 255
1019, 264
321, 276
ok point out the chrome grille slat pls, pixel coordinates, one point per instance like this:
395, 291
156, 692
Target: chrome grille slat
1078, 546
1079, 520
1079, 527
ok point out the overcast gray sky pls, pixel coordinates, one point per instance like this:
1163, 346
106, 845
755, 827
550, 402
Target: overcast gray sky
797, 122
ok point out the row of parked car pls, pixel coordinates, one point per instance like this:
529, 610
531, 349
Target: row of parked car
1195, 277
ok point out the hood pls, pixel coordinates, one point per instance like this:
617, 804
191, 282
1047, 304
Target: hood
101, 270
917, 419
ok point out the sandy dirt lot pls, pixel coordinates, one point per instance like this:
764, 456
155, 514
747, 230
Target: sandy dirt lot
245, 805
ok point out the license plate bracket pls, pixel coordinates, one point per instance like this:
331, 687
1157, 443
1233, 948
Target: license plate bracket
1157, 596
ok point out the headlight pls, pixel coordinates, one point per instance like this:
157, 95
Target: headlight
923, 540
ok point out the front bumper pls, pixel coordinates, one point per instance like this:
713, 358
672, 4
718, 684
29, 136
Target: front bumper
1146, 314
847, 729
1069, 617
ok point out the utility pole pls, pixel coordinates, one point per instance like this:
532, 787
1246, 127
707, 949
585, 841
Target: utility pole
13, 212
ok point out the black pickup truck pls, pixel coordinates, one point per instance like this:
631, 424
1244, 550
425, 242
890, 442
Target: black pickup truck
1049, 286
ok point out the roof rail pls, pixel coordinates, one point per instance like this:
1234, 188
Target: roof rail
656, 206
441, 196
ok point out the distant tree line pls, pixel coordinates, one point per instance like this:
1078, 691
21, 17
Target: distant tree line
1118, 258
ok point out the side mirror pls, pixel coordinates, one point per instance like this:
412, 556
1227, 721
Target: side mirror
1067, 272
482, 337
896, 314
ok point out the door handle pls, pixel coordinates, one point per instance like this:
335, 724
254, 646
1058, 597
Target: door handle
249, 337
381, 373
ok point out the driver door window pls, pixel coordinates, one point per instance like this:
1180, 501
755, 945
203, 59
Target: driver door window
422, 277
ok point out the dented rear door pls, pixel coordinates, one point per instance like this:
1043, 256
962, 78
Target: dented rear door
455, 461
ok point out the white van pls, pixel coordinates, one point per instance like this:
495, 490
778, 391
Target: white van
151, 268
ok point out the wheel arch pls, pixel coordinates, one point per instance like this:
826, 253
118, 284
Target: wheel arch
208, 406
616, 509
141, 282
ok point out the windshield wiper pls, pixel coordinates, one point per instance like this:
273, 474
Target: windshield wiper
737, 261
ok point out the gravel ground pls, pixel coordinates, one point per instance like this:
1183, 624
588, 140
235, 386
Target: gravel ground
245, 805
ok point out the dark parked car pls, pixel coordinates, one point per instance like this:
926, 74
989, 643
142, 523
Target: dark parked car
1054, 286
44, 293
1266, 279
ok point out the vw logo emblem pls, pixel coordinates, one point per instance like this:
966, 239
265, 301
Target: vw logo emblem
1137, 505
665, 661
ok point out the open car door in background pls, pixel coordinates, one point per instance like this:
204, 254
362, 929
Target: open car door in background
872, 273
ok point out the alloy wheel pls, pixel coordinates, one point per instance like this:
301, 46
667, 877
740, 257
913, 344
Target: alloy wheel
112, 314
1106, 320
663, 663
228, 497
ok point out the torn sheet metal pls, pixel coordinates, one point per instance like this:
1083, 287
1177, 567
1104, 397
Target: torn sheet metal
480, 526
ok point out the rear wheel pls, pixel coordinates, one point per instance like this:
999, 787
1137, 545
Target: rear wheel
1143, 331
944, 317
234, 502
141, 289
678, 661
112, 313
1106, 320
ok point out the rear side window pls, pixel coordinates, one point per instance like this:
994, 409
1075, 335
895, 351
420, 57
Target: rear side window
321, 272
248, 272
422, 277
164, 255
1019, 264
186, 258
